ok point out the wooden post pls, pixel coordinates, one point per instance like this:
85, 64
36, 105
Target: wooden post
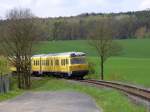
4, 83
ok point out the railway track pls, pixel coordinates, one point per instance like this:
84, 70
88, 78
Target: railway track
136, 91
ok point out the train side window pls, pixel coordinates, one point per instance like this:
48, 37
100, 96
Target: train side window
52, 62
47, 62
34, 62
66, 61
62, 62
37, 63
57, 62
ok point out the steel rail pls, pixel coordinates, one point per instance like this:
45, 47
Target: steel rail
133, 90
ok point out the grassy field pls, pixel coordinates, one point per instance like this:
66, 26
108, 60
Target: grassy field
130, 70
132, 65
133, 48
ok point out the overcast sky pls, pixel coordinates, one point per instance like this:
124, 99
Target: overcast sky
55, 8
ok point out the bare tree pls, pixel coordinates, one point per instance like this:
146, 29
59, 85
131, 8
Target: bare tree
19, 35
101, 38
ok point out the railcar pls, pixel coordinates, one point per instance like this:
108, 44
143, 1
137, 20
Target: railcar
68, 64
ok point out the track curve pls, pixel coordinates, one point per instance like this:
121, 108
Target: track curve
133, 90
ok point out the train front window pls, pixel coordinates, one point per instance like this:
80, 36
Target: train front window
78, 61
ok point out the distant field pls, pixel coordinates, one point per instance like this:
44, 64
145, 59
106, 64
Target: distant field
136, 48
132, 65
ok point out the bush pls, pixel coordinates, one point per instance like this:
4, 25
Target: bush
4, 66
92, 70
91, 67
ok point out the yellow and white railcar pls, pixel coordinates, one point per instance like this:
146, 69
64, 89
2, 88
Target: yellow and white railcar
68, 64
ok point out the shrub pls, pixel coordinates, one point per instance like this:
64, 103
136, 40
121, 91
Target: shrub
4, 66
91, 67
92, 71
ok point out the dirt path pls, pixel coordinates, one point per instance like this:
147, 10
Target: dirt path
50, 102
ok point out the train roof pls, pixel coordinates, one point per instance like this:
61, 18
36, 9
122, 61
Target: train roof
70, 54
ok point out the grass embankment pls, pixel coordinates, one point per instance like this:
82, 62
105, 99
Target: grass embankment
132, 65
10, 95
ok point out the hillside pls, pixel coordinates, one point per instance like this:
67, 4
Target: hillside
136, 48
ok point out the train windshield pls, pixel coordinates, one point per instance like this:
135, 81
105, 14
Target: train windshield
78, 61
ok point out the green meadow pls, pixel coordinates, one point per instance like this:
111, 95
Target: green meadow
132, 65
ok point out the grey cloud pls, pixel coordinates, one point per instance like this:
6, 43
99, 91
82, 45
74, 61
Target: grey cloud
45, 8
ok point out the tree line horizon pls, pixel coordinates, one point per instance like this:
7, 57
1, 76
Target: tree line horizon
128, 25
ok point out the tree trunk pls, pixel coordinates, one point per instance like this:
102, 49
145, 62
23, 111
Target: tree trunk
102, 68
19, 77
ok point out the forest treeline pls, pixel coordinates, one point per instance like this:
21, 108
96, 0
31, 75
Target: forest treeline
125, 25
